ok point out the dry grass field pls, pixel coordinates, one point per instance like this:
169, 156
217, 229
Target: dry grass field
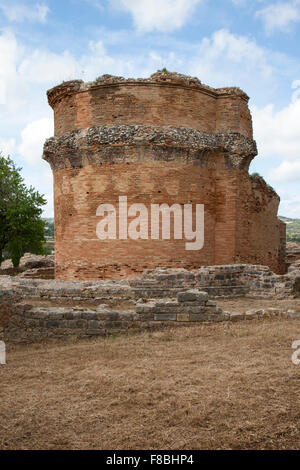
223, 386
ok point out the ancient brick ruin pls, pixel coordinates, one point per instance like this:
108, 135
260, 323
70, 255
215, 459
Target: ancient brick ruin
167, 139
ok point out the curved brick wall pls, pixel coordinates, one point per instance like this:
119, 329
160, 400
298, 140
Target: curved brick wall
163, 140
175, 101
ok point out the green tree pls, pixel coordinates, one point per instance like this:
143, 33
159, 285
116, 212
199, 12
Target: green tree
49, 228
21, 226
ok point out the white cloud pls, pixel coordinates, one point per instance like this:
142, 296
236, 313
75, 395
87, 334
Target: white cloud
221, 59
19, 12
9, 54
49, 208
166, 15
278, 137
278, 132
296, 94
40, 177
280, 16
7, 146
227, 59
33, 138
42, 66
290, 202
286, 172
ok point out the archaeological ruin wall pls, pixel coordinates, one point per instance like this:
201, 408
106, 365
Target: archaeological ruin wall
164, 140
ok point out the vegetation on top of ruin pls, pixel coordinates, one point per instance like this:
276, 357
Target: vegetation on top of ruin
257, 177
164, 70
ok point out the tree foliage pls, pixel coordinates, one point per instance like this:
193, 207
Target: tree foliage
21, 226
49, 228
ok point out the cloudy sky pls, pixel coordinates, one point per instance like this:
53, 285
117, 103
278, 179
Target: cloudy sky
252, 44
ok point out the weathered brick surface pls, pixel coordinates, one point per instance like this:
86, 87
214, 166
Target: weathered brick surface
167, 139
159, 100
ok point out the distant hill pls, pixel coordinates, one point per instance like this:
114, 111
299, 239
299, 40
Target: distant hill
292, 229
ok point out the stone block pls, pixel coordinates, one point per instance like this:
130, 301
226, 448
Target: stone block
293, 314
97, 332
93, 324
146, 316
251, 315
144, 308
183, 317
272, 312
236, 316
165, 317
90, 315
193, 295
52, 324
198, 317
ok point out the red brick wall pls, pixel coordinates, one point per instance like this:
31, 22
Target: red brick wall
65, 112
226, 215
155, 104
78, 193
259, 233
240, 223
232, 114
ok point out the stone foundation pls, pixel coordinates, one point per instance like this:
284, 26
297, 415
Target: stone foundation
35, 309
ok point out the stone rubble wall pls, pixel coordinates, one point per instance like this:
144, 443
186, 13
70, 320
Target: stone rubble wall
80, 148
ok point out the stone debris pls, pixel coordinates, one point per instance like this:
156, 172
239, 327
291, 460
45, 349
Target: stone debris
31, 266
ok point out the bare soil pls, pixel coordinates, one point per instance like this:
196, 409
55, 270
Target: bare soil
223, 386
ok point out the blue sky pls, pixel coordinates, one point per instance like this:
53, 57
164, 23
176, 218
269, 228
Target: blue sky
250, 44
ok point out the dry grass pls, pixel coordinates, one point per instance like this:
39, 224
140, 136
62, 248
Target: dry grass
229, 386
242, 304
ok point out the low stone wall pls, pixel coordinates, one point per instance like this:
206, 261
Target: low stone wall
218, 281
31, 324
32, 309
